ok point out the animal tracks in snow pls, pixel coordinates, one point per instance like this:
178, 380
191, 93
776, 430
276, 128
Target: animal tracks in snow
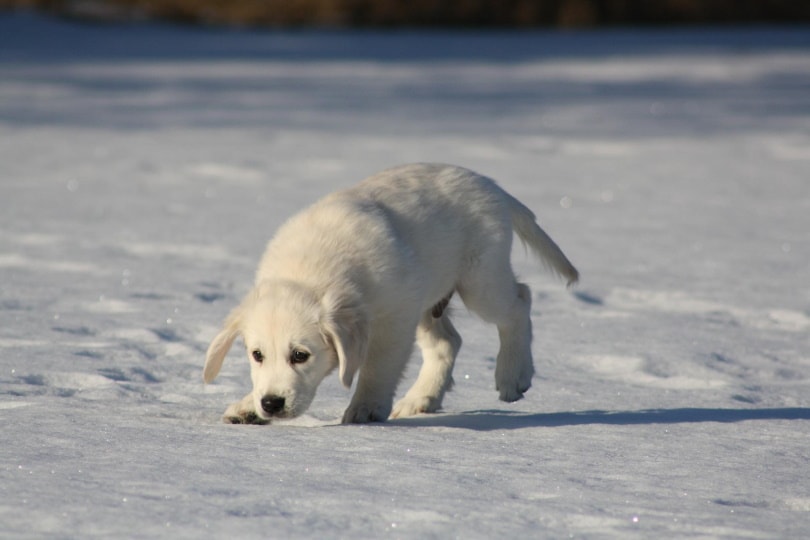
626, 302
127, 345
634, 300
15, 260
697, 365
637, 371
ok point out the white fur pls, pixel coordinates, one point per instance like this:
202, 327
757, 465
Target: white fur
353, 278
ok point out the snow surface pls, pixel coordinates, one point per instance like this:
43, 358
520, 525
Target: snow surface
142, 169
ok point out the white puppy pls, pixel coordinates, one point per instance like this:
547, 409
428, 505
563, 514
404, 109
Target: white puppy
348, 282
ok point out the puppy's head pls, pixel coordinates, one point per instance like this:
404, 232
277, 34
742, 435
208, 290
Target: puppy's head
293, 338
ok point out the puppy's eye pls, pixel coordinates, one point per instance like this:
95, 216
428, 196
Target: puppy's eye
258, 356
298, 356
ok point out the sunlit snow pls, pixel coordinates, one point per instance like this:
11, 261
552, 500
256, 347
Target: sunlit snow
142, 169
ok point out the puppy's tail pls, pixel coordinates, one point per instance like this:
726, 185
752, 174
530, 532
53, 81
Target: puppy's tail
525, 225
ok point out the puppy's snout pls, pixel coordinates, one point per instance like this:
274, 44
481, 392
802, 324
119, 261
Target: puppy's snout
273, 404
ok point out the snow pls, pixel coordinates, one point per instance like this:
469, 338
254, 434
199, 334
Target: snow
142, 169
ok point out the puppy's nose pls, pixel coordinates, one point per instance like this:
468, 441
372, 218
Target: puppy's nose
273, 404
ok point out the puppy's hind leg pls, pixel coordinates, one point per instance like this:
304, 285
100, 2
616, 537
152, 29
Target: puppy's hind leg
514, 367
440, 344
497, 298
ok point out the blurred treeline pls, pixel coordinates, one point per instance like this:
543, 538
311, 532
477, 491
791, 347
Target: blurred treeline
431, 13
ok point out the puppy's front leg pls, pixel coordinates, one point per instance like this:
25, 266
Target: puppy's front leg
243, 412
378, 378
373, 397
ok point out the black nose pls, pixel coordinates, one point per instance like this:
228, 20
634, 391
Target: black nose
272, 404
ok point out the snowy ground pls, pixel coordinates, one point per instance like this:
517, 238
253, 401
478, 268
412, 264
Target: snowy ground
142, 169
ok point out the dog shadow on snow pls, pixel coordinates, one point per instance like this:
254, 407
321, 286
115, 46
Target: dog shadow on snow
497, 420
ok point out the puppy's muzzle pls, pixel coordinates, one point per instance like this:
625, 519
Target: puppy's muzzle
273, 405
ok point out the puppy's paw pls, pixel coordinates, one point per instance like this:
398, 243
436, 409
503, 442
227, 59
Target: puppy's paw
410, 406
237, 413
512, 387
363, 413
246, 418
514, 391
511, 395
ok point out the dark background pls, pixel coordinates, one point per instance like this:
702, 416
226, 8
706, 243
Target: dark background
431, 13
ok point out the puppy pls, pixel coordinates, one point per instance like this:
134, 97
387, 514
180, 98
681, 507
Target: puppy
347, 283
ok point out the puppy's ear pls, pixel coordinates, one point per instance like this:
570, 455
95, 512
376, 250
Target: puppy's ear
222, 344
344, 323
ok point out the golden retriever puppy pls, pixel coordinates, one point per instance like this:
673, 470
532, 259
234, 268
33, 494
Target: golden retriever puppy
352, 281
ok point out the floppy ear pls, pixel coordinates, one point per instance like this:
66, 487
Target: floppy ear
344, 322
221, 345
